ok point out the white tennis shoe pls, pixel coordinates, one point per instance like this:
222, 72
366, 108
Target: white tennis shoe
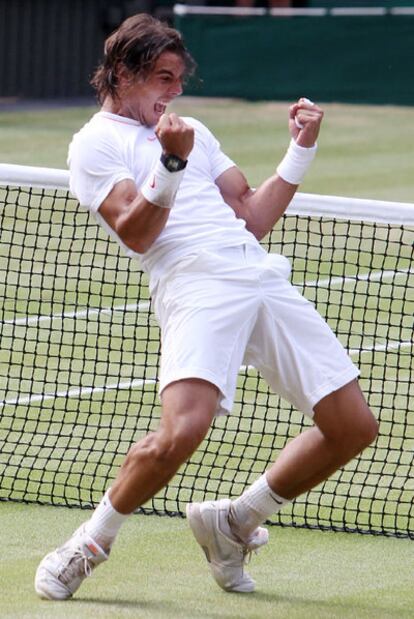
225, 554
62, 571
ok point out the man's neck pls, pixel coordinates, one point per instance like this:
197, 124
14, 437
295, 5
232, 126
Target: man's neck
112, 106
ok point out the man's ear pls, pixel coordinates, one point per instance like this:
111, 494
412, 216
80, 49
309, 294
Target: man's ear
124, 76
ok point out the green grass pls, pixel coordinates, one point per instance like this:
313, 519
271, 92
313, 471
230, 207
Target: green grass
157, 571
365, 151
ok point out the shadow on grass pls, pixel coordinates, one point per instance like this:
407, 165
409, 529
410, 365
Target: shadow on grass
165, 608
329, 607
250, 606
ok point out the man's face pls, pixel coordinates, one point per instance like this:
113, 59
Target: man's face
146, 99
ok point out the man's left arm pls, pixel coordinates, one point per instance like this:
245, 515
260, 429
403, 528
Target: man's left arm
262, 208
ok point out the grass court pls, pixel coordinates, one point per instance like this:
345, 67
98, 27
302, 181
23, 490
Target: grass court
69, 409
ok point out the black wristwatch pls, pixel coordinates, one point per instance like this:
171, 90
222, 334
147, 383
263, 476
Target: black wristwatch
173, 163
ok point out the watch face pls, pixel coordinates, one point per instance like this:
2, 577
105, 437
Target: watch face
173, 163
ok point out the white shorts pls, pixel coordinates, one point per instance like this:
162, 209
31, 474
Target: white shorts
221, 309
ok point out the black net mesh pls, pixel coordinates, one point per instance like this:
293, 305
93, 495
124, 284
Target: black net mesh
79, 361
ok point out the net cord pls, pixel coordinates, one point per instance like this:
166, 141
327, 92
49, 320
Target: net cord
33, 176
303, 204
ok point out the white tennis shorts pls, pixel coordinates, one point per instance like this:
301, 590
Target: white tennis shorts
224, 308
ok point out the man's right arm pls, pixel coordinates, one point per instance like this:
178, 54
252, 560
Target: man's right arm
139, 216
134, 219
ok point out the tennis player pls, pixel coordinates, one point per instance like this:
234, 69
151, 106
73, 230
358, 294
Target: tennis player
162, 187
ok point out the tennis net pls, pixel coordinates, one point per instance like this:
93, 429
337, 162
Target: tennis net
79, 358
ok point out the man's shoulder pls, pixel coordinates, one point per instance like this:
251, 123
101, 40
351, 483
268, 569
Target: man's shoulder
93, 126
194, 122
201, 130
95, 134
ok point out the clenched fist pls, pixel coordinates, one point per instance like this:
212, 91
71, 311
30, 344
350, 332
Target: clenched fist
304, 122
175, 136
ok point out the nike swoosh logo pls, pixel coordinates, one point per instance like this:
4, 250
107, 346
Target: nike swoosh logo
152, 139
275, 499
152, 183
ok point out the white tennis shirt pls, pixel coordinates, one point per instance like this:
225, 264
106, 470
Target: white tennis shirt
110, 148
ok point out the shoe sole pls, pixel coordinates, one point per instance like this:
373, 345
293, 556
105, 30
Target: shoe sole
39, 580
44, 595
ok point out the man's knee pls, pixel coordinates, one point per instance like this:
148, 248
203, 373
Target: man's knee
188, 410
169, 446
352, 438
346, 420
365, 429
175, 446
371, 429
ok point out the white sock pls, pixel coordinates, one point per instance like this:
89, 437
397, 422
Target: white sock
105, 523
253, 507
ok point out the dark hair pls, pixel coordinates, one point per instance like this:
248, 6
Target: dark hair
137, 44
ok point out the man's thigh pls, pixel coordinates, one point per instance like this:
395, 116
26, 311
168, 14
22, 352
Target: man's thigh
188, 407
205, 325
296, 351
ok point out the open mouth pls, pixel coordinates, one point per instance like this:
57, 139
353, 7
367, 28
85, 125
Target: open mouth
160, 107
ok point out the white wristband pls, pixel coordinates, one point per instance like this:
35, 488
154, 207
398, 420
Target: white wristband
296, 162
161, 186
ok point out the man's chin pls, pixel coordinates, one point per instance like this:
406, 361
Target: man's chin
150, 121
155, 119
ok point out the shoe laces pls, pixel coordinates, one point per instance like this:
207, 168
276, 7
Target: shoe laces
247, 555
253, 544
78, 566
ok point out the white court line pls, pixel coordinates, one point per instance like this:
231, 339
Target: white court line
380, 347
359, 351
82, 391
75, 392
372, 276
145, 305
34, 320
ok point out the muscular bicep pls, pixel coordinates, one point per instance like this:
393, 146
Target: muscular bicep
136, 221
260, 208
235, 190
